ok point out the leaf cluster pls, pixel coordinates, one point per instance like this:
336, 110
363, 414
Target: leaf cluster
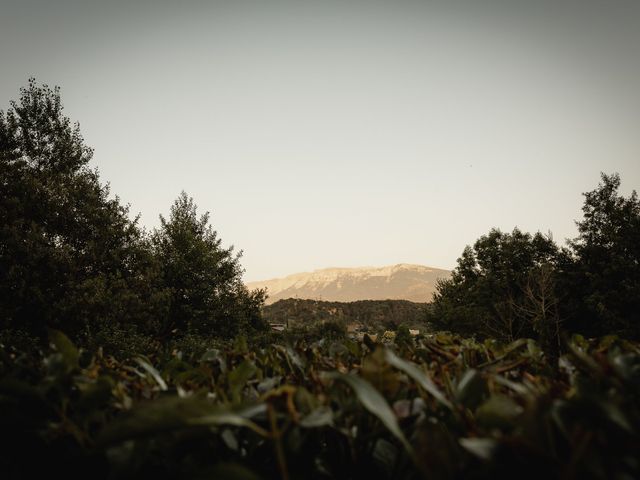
72, 258
517, 284
446, 407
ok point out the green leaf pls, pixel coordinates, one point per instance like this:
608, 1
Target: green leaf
498, 412
627, 366
385, 456
239, 377
472, 389
379, 373
144, 363
295, 358
319, 417
418, 376
214, 355
65, 347
269, 383
515, 345
174, 413
353, 347
240, 344
483, 448
223, 417
374, 402
520, 388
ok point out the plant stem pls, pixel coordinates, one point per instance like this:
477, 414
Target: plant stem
277, 438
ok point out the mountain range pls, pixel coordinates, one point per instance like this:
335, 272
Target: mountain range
415, 283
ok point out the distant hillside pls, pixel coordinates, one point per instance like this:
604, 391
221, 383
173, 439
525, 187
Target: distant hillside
415, 283
372, 314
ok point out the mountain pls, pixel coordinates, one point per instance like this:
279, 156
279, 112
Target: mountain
395, 282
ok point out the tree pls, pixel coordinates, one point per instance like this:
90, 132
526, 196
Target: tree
488, 287
540, 308
603, 278
205, 280
403, 336
69, 254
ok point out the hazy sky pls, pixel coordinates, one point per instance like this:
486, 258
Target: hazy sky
338, 133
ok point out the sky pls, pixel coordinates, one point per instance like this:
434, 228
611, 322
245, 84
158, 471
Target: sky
343, 133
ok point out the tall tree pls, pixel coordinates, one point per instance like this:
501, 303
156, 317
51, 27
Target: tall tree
604, 279
69, 254
488, 289
205, 279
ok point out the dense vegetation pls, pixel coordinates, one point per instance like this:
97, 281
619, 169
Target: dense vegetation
127, 354
371, 315
71, 258
443, 407
511, 285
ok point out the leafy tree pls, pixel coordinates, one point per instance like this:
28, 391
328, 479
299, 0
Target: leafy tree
403, 336
518, 284
603, 280
488, 288
205, 280
69, 254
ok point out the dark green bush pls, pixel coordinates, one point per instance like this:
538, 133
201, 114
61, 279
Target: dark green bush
447, 408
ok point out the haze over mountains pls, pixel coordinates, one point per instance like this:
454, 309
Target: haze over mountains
396, 282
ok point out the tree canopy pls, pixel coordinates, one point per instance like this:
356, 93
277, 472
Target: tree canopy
486, 291
68, 252
205, 280
72, 258
518, 284
603, 281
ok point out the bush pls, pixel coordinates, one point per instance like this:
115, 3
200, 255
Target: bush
122, 342
192, 346
69, 254
448, 408
403, 336
207, 295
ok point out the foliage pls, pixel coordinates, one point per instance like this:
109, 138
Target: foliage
447, 407
68, 253
71, 258
487, 293
168, 384
603, 281
403, 336
205, 280
370, 314
518, 284
123, 342
329, 330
